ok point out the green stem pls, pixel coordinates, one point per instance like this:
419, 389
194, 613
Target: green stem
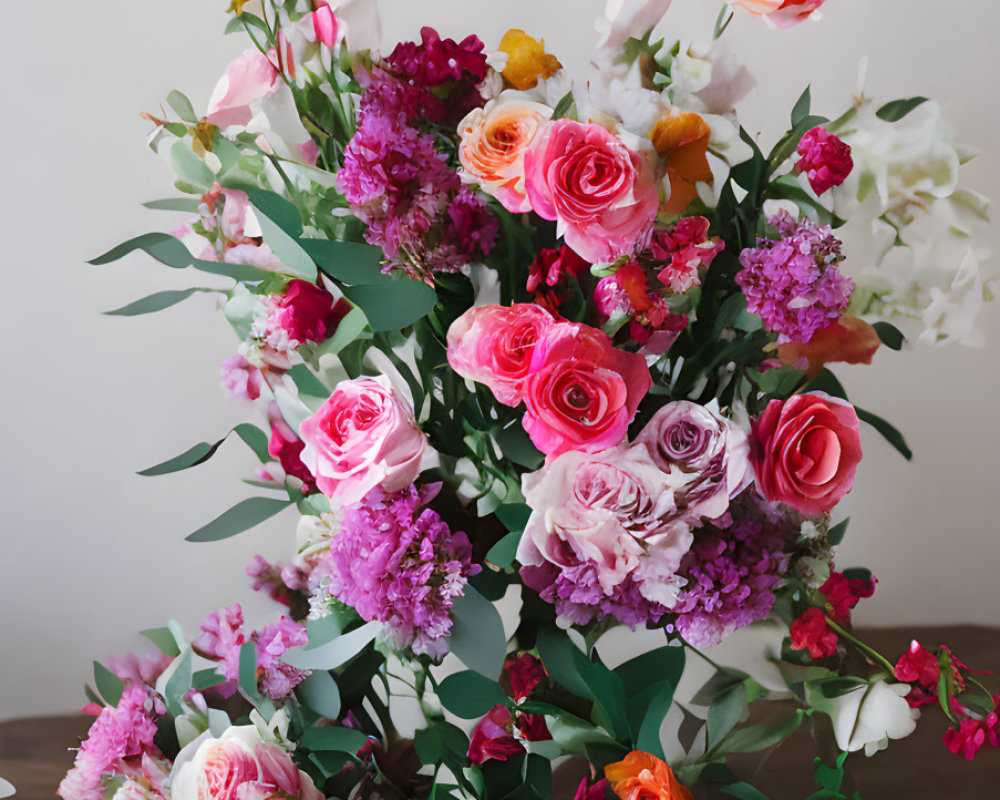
722, 21
878, 657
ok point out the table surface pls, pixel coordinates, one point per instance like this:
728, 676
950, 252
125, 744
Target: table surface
35, 753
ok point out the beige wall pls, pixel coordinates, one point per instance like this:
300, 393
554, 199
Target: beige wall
91, 552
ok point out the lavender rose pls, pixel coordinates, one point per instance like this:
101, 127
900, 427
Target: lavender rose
713, 452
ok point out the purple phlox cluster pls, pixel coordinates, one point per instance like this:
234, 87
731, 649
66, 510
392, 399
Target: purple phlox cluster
399, 563
732, 570
793, 283
115, 744
578, 597
396, 181
222, 638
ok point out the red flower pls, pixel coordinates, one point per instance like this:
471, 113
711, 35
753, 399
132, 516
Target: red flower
286, 447
689, 251
810, 632
825, 159
493, 737
591, 791
919, 666
842, 594
972, 734
520, 674
307, 312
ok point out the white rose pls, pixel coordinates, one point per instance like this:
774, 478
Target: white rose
869, 716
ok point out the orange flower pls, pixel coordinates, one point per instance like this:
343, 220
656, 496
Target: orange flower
681, 139
527, 60
644, 777
849, 339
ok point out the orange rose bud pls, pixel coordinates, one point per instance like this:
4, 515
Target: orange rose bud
682, 142
527, 60
644, 777
849, 340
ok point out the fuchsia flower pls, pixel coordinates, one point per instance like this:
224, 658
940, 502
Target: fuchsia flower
286, 447
973, 734
363, 436
626, 294
603, 195
550, 269
810, 632
842, 595
689, 251
919, 666
306, 312
249, 78
806, 451
493, 737
591, 791
825, 159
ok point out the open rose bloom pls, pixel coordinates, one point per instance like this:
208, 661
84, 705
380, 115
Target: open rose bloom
541, 373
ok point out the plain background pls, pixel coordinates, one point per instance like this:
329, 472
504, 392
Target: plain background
91, 553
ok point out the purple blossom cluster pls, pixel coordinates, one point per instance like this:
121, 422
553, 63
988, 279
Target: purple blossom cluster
578, 597
116, 744
732, 571
222, 637
396, 181
793, 283
400, 564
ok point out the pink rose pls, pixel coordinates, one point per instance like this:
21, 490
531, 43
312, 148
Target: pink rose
806, 451
494, 345
603, 194
306, 312
780, 13
714, 453
581, 391
238, 766
615, 509
824, 158
250, 77
363, 436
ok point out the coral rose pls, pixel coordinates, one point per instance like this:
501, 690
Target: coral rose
363, 436
641, 776
603, 194
494, 140
806, 450
682, 142
581, 391
494, 345
780, 13
527, 60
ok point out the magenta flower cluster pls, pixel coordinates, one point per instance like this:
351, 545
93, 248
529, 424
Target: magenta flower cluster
578, 597
399, 563
732, 572
396, 181
793, 283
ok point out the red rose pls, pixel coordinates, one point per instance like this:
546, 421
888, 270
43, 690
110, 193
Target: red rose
806, 451
810, 632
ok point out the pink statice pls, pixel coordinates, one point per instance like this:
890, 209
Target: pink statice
793, 283
240, 378
270, 578
577, 594
116, 743
277, 679
399, 563
825, 159
732, 572
688, 251
222, 637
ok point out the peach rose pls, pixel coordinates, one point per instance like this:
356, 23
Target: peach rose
641, 776
780, 13
603, 194
527, 60
494, 141
806, 450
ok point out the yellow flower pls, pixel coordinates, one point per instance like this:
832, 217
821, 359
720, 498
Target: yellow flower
527, 60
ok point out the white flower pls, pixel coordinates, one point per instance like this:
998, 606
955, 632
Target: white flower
709, 79
625, 19
362, 23
869, 716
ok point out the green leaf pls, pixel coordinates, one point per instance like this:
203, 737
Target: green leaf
801, 109
755, 738
395, 305
254, 438
154, 302
477, 635
733, 314
502, 553
188, 167
295, 260
335, 738
827, 382
563, 106
781, 381
721, 681
889, 433
337, 651
744, 791
314, 504
725, 713
836, 534
163, 639
470, 695
248, 672
514, 516
276, 208
244, 515
664, 664
108, 684
347, 262
192, 457
206, 679
179, 103
517, 446
320, 693
897, 109
538, 775
187, 204
307, 383
349, 329
890, 335
178, 683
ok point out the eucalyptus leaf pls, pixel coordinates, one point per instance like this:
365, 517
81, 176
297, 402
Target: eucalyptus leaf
470, 695
154, 302
394, 305
108, 684
503, 552
320, 693
188, 167
334, 738
163, 639
725, 712
179, 103
890, 335
889, 433
895, 110
276, 208
336, 652
254, 438
801, 109
186, 204
307, 383
178, 683
244, 515
477, 635
347, 262
192, 457
295, 261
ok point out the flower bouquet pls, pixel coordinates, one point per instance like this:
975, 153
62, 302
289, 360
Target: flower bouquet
544, 367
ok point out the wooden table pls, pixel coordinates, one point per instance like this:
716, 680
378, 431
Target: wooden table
34, 753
